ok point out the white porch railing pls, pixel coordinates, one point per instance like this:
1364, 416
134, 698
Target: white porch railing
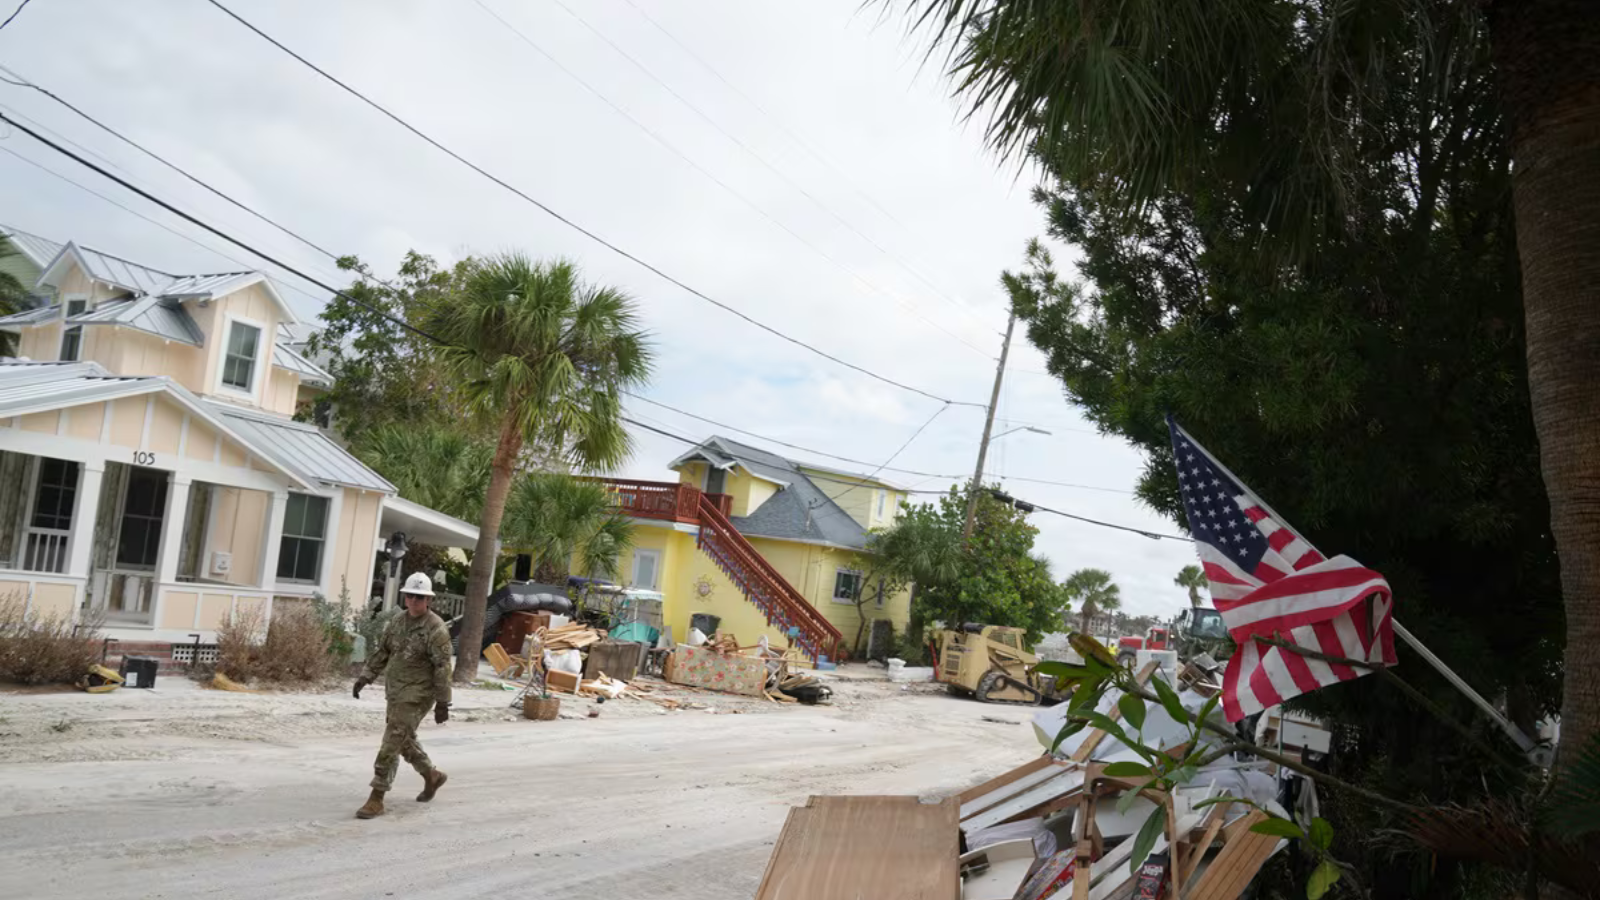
46, 550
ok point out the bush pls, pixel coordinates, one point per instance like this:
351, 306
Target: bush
44, 649
336, 620
296, 649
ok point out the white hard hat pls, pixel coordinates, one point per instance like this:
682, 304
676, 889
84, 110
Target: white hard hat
418, 583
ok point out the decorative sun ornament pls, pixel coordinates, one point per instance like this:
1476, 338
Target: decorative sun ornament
703, 586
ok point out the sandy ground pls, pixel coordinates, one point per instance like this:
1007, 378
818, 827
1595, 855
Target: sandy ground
185, 792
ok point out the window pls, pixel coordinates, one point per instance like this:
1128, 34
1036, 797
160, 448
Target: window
239, 358
58, 488
143, 508
883, 501
845, 584
646, 569
72, 335
305, 528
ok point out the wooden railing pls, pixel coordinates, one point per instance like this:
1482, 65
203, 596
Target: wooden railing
762, 585
664, 500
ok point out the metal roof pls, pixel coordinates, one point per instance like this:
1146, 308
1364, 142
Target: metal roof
302, 448
28, 317
153, 315
37, 249
285, 357
205, 287
123, 273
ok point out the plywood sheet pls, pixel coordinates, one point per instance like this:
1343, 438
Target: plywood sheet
886, 848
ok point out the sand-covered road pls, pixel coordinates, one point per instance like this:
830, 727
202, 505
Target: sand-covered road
205, 794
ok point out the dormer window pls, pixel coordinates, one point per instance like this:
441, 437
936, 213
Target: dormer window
240, 356
72, 335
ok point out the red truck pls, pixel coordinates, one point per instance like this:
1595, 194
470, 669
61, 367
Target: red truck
1128, 647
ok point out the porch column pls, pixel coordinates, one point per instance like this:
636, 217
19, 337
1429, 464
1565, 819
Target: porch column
172, 528
80, 547
274, 531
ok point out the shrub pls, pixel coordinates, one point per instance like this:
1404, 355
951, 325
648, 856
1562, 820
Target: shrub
238, 644
336, 620
44, 649
296, 650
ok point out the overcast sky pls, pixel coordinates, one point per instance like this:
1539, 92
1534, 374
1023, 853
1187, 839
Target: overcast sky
797, 161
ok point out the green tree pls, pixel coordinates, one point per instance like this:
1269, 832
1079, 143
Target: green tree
1298, 120
1094, 592
445, 469
541, 358
995, 579
566, 524
1194, 580
13, 297
371, 340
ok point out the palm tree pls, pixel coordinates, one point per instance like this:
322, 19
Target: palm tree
1152, 97
441, 468
543, 358
566, 523
13, 297
1192, 578
1094, 592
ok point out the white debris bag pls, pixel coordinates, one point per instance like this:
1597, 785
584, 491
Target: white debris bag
908, 674
569, 661
696, 637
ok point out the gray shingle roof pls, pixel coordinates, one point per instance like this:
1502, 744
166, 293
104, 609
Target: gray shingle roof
801, 511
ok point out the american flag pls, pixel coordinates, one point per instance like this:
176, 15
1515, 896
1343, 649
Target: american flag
1268, 580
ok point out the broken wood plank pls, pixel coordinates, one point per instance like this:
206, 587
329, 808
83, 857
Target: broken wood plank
1238, 863
886, 848
1062, 785
1216, 816
999, 781
1041, 771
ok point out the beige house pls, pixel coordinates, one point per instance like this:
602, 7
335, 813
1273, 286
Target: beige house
150, 471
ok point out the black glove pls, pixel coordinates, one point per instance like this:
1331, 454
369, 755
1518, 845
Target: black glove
441, 713
361, 682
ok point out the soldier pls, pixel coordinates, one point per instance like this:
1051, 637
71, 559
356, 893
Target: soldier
413, 656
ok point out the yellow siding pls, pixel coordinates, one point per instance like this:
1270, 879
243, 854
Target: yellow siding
245, 607
87, 421
238, 522
251, 303
127, 421
855, 498
42, 342
352, 540
283, 391
232, 455
166, 426
178, 609
14, 590
43, 422
202, 442
54, 600
760, 492
136, 353
692, 473
214, 610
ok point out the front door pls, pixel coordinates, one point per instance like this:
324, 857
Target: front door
128, 558
716, 480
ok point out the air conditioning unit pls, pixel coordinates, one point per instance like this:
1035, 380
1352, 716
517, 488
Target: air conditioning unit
221, 562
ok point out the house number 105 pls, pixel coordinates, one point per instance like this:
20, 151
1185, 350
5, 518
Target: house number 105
141, 458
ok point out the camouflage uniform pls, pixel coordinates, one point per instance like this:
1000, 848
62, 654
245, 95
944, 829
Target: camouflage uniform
413, 656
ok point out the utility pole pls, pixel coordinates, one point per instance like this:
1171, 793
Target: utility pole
988, 427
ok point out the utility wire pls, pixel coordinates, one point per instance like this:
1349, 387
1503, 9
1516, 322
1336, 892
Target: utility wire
751, 152
914, 435
216, 231
799, 142
732, 191
162, 225
1153, 535
574, 225
17, 12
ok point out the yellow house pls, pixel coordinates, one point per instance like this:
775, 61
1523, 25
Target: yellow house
150, 473
764, 544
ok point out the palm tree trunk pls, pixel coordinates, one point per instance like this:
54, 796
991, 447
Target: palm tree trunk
1548, 52
1084, 616
480, 577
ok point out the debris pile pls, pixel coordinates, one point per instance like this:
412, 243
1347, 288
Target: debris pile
1084, 821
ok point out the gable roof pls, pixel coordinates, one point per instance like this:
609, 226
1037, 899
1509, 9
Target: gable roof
39, 251
159, 316
141, 280
800, 511
299, 451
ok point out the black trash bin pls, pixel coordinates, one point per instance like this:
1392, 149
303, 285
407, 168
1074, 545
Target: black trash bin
139, 671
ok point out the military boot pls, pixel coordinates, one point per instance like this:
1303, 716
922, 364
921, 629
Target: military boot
373, 808
431, 783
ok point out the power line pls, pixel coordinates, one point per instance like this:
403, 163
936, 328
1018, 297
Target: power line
132, 212
914, 435
1065, 484
797, 139
1153, 535
732, 191
574, 225
216, 231
763, 160
17, 12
